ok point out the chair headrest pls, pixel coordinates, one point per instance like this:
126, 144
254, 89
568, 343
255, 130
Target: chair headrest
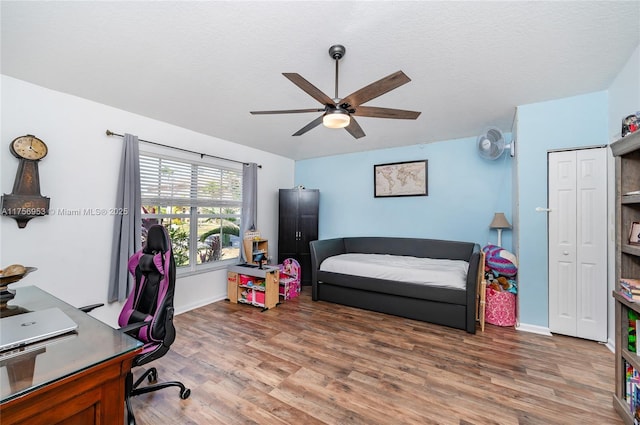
147, 264
157, 240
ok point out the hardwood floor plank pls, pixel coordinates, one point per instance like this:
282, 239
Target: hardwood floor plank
315, 363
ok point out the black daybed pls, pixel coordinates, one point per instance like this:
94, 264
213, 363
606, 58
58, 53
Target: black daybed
443, 305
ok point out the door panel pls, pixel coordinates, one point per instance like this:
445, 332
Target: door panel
592, 244
562, 248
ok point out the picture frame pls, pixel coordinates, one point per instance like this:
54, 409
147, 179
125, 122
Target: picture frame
396, 179
634, 233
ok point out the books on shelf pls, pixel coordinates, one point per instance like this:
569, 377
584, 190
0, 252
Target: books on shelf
632, 391
630, 289
631, 283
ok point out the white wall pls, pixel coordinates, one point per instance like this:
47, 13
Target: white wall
624, 95
72, 252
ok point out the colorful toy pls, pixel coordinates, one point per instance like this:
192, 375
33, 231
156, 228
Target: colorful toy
254, 297
500, 261
290, 273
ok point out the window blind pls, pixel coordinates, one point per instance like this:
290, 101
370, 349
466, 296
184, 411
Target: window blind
166, 181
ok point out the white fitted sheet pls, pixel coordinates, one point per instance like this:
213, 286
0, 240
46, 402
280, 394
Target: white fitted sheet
425, 271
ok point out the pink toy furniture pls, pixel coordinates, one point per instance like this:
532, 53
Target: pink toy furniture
289, 278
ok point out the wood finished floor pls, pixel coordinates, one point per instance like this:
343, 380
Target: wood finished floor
307, 363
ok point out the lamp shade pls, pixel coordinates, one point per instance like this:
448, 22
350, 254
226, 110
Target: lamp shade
336, 118
500, 222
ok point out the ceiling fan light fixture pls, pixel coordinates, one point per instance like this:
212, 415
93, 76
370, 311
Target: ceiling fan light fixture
336, 118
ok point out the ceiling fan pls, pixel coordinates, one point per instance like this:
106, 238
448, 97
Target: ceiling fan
339, 113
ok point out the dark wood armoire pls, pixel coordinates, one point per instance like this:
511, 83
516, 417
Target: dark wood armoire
297, 226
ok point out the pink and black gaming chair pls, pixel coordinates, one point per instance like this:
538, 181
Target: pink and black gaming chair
148, 312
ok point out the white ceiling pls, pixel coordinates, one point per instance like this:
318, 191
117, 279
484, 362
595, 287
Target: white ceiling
205, 65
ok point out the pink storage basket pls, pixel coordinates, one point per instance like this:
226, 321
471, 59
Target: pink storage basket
500, 308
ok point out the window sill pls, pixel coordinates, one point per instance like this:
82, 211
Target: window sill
219, 265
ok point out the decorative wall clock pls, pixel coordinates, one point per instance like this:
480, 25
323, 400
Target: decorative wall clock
25, 201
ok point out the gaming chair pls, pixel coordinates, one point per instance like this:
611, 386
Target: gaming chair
148, 312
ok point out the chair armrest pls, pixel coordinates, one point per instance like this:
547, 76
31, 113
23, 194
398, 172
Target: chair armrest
132, 327
88, 308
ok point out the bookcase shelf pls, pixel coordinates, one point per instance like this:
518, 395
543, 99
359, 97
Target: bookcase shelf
631, 250
627, 153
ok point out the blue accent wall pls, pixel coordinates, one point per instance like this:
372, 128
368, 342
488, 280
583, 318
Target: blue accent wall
464, 193
573, 122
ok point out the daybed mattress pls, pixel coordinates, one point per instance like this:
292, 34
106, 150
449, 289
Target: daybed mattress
425, 271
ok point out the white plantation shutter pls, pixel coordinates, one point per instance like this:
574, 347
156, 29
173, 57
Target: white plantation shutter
172, 182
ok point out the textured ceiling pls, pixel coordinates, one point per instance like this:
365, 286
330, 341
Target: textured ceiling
205, 65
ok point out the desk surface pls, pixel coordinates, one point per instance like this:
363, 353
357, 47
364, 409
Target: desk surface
94, 343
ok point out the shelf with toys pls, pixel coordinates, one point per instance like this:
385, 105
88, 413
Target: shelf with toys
253, 285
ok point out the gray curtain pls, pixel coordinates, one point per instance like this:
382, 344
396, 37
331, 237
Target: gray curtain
126, 234
249, 215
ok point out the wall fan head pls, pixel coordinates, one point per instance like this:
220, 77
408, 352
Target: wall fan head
491, 144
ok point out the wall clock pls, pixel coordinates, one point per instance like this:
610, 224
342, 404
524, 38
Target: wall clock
25, 201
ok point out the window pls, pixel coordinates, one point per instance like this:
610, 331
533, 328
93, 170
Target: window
198, 202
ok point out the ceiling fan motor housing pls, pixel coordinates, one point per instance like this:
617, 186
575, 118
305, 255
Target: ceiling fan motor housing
337, 51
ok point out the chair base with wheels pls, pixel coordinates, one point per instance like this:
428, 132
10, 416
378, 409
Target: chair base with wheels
133, 389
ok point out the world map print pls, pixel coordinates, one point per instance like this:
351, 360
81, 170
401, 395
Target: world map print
401, 179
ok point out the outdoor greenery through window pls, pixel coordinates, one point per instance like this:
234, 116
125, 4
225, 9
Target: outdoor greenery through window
199, 203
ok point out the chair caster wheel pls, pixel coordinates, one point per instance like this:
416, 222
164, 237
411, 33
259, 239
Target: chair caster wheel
153, 376
185, 394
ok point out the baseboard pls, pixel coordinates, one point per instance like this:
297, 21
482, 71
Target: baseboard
201, 303
541, 330
610, 345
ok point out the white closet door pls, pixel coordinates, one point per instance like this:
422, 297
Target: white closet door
578, 243
562, 243
591, 242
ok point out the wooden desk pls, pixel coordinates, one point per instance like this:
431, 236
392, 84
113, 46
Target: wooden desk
74, 379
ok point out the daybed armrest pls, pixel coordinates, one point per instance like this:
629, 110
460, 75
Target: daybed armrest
473, 276
320, 250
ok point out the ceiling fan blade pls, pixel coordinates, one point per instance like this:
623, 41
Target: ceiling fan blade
376, 89
286, 111
309, 126
354, 129
309, 88
375, 112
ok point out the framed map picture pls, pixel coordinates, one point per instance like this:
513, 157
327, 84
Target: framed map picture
400, 179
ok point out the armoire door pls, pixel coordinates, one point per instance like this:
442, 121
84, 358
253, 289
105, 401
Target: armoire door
308, 204
578, 243
287, 224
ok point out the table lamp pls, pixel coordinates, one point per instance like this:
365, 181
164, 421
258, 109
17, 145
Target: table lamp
499, 222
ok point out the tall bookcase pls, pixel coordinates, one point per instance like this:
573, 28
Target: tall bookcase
627, 158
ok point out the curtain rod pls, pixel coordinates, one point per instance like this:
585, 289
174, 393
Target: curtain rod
111, 133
